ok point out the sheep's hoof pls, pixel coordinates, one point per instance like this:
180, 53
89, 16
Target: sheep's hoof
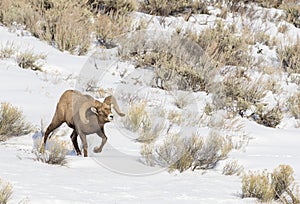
97, 150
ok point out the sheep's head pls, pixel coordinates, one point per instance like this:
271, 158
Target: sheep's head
101, 110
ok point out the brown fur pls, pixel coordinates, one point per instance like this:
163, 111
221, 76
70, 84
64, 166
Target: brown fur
84, 115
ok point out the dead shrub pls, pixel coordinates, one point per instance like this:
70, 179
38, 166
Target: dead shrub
12, 122
54, 153
267, 187
5, 191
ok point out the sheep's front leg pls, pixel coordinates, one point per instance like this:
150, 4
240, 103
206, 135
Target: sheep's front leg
84, 143
101, 134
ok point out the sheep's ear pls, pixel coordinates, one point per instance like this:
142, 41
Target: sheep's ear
94, 110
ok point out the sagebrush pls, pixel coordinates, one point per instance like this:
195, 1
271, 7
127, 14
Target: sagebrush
12, 122
289, 57
54, 153
29, 60
232, 168
195, 152
278, 185
223, 46
173, 7
64, 24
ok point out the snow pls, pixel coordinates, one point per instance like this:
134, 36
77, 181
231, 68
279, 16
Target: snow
116, 175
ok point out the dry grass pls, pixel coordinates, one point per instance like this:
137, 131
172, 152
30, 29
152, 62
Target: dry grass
5, 191
12, 122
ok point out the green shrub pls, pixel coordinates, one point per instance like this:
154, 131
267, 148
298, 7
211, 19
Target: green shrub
12, 122
5, 191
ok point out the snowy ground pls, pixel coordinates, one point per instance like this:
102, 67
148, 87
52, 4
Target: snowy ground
115, 175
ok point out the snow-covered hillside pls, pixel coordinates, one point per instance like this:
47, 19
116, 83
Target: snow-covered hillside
118, 175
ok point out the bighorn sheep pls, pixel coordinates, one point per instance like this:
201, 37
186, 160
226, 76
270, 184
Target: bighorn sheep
85, 115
